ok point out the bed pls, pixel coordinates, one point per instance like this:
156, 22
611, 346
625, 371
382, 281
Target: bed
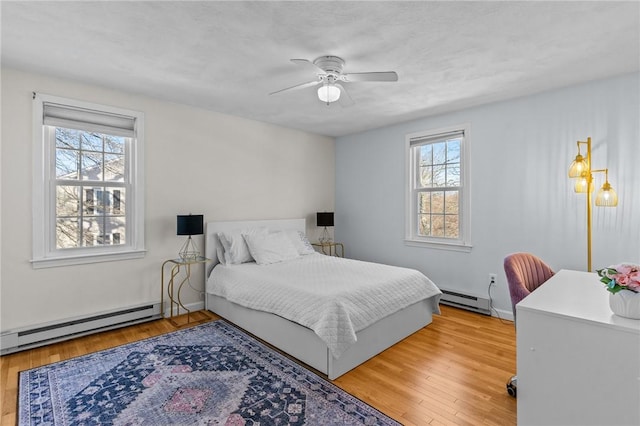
334, 340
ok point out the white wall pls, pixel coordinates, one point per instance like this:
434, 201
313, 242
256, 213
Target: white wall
198, 161
522, 199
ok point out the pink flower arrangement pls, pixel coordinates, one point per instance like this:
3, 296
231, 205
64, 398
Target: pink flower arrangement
624, 276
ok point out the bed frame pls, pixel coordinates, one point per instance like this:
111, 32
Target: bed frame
299, 341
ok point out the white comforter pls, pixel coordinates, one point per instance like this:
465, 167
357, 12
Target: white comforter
332, 296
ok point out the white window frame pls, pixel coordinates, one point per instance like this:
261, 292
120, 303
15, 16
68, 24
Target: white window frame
45, 253
412, 238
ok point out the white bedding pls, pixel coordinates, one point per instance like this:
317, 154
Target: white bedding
332, 296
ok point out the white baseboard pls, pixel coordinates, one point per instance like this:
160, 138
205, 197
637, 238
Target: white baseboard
502, 314
57, 331
196, 306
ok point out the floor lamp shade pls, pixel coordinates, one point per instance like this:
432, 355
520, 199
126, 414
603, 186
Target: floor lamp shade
190, 224
324, 219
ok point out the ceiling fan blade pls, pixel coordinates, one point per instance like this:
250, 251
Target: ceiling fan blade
298, 86
345, 98
370, 76
309, 64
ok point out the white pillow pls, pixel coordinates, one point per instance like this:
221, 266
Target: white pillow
270, 248
235, 247
300, 241
222, 258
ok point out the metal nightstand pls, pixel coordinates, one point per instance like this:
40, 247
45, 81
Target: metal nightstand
174, 297
330, 248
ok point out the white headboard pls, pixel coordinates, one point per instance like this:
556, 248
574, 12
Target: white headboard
211, 242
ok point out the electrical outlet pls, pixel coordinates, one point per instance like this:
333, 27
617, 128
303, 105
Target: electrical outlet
492, 279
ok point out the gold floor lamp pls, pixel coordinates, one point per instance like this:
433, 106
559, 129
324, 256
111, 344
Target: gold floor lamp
581, 171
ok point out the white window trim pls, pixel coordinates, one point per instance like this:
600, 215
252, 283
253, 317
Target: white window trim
411, 239
43, 203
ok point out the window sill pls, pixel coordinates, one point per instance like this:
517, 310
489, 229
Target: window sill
54, 262
461, 247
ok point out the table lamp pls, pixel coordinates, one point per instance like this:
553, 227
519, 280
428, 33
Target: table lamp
324, 219
190, 225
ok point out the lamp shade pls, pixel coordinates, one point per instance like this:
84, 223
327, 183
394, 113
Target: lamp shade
578, 167
324, 219
607, 197
328, 93
582, 185
190, 224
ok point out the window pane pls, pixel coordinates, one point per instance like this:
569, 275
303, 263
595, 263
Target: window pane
90, 201
424, 225
453, 151
91, 166
437, 225
439, 153
91, 229
115, 230
67, 233
453, 175
114, 167
98, 231
425, 154
66, 164
91, 141
424, 202
437, 202
67, 138
67, 200
114, 144
426, 175
115, 201
439, 174
451, 202
451, 226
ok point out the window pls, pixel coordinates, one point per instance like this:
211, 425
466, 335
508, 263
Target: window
438, 188
88, 183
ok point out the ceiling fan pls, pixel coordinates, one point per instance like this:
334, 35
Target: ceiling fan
330, 77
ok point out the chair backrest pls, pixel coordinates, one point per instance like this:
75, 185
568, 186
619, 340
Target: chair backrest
525, 272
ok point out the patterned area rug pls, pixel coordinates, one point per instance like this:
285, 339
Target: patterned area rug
211, 374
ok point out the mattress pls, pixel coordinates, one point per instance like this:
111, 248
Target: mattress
332, 296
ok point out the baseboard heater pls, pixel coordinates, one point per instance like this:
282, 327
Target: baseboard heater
465, 301
44, 334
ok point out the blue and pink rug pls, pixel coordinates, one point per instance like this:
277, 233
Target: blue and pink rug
211, 374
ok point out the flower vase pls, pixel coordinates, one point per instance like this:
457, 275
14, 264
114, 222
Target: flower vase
625, 303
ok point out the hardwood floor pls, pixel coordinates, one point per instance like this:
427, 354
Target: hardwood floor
453, 371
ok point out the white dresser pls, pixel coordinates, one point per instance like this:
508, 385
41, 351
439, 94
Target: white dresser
578, 364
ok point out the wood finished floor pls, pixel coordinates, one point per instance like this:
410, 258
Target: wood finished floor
452, 372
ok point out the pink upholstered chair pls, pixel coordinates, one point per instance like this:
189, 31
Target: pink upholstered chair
525, 273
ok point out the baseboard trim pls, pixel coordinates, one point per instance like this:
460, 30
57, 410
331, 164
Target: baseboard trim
72, 327
502, 314
197, 306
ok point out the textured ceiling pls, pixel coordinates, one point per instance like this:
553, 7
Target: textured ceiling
227, 56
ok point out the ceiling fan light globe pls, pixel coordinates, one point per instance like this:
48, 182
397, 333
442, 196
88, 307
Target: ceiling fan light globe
328, 93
